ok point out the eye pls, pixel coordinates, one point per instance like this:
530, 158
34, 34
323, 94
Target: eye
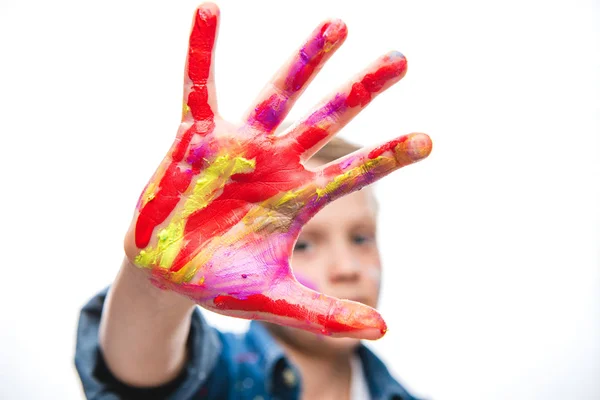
302, 246
361, 239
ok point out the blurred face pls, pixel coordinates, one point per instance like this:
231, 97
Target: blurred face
337, 254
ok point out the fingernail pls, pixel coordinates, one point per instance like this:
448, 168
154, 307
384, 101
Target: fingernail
395, 55
207, 10
416, 147
333, 32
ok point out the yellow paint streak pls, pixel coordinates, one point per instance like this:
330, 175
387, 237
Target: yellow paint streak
169, 244
185, 109
214, 178
171, 239
149, 193
276, 213
189, 270
287, 197
353, 174
336, 183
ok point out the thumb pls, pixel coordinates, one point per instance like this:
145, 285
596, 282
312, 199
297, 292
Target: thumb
292, 304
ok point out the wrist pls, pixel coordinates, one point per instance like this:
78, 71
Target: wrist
137, 281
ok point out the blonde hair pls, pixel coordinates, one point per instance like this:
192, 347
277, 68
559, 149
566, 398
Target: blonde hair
334, 149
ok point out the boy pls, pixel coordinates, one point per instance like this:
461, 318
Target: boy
217, 224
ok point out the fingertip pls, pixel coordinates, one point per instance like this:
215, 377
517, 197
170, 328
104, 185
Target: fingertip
334, 30
396, 55
205, 18
377, 330
418, 146
356, 320
372, 332
207, 10
398, 60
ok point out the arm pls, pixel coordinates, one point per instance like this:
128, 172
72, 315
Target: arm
143, 330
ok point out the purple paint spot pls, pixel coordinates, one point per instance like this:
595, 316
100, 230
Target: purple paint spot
269, 112
347, 163
309, 57
314, 47
303, 57
335, 105
197, 155
306, 282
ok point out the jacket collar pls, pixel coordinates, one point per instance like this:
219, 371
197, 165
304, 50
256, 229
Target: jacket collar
381, 383
272, 359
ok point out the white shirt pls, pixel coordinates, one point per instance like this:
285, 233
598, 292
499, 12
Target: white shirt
358, 384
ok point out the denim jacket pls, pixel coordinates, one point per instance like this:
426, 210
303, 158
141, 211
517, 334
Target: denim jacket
220, 366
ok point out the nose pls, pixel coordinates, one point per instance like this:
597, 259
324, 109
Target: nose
344, 266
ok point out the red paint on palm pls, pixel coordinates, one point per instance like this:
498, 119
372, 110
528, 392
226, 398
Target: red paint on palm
146, 223
182, 146
174, 182
276, 171
209, 222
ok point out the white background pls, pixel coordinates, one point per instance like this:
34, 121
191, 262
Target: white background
490, 247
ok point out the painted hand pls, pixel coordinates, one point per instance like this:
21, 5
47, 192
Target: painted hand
218, 220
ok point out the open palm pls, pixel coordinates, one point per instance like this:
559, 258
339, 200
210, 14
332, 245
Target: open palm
218, 220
